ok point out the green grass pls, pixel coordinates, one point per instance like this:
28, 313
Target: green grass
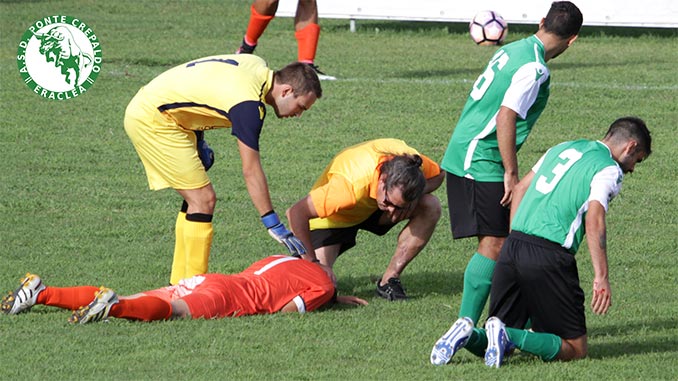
76, 210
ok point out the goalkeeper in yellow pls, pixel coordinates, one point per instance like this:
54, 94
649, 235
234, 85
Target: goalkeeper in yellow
166, 120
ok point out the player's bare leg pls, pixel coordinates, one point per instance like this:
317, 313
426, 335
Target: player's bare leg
327, 255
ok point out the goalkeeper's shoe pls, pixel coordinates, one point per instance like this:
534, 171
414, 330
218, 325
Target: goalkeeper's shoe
452, 341
24, 297
97, 310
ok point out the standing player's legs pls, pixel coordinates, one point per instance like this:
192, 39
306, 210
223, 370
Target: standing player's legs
307, 30
196, 233
475, 211
170, 159
261, 13
307, 33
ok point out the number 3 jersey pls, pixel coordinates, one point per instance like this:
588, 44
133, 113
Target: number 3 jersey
566, 179
516, 77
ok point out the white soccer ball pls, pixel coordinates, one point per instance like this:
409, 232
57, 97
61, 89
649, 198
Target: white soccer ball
488, 28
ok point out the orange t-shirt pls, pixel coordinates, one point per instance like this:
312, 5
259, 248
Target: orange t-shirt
345, 194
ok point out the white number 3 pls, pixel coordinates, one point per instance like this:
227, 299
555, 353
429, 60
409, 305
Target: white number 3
570, 156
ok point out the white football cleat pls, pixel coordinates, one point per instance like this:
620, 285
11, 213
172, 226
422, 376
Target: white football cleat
454, 339
97, 310
24, 297
498, 343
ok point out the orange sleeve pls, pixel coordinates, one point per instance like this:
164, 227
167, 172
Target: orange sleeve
334, 196
317, 296
429, 167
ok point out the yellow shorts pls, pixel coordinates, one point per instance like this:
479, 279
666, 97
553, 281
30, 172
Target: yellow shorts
167, 151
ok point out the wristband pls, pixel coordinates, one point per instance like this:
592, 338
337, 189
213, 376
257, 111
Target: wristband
270, 219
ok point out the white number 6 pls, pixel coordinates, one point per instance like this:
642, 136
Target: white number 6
483, 82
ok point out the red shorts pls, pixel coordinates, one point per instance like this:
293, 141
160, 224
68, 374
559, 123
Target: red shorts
207, 296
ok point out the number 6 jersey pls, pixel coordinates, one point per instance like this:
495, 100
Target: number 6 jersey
516, 77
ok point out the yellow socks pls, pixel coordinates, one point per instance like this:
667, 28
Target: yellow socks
192, 246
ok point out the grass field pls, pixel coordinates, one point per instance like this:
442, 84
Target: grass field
76, 209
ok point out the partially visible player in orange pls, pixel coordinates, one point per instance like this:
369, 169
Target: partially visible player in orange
278, 283
307, 30
371, 186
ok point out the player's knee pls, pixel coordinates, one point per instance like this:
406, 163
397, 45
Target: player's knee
207, 201
574, 349
580, 353
429, 207
211, 201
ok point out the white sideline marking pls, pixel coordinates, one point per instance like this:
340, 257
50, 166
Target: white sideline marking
580, 85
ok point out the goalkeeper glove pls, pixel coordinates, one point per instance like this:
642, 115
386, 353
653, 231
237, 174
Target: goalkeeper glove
278, 231
205, 153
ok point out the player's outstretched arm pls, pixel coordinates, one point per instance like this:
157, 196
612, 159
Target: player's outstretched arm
352, 300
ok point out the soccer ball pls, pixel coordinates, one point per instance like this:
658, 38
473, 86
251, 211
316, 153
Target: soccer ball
488, 28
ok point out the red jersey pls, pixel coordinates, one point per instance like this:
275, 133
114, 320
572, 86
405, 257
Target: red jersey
263, 288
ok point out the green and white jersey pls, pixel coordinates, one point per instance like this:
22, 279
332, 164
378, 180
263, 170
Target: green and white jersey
516, 77
566, 179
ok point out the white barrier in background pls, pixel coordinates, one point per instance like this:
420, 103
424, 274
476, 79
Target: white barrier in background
631, 13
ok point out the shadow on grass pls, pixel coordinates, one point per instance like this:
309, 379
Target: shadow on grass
417, 284
657, 345
639, 344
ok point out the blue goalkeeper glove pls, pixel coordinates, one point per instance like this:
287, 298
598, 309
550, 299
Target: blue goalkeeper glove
278, 231
205, 153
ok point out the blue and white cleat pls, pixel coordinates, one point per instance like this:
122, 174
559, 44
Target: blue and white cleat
97, 310
24, 297
498, 343
453, 340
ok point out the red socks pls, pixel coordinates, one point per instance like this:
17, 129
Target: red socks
256, 26
145, 308
307, 42
70, 298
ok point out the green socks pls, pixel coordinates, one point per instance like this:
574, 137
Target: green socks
544, 345
477, 280
477, 342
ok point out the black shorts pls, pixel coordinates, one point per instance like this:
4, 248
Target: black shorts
475, 209
537, 279
346, 236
